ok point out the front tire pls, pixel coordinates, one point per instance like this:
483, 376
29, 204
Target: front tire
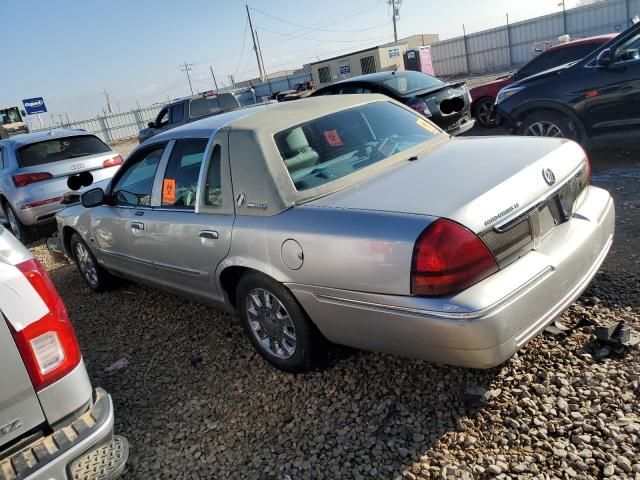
276, 325
94, 275
548, 123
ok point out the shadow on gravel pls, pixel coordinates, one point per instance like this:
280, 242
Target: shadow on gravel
195, 397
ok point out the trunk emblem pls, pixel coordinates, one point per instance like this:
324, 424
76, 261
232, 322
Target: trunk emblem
77, 166
548, 176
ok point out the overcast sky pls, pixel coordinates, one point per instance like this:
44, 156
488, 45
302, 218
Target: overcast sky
68, 51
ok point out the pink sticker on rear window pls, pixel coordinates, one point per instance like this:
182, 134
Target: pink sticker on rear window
333, 138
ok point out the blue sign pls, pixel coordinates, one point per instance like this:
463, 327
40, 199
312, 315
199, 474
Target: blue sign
394, 52
344, 69
34, 105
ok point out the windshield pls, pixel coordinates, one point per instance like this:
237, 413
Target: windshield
59, 149
411, 82
333, 146
10, 115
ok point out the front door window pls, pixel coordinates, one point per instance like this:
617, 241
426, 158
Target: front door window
135, 185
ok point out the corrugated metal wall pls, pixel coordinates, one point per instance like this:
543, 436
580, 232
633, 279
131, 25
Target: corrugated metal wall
504, 48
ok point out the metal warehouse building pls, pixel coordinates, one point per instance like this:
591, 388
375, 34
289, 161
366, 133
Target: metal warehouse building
375, 59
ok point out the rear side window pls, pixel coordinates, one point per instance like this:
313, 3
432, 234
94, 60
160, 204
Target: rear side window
177, 113
213, 185
59, 149
201, 107
228, 102
180, 181
335, 145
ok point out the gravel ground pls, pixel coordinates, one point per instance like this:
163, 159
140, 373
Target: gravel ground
195, 401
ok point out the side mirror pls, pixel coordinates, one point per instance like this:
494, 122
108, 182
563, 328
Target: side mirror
604, 58
151, 125
92, 198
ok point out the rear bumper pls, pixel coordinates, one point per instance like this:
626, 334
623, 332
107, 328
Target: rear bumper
465, 126
61, 454
486, 324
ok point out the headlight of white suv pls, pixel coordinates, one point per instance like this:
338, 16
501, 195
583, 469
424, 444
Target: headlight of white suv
507, 93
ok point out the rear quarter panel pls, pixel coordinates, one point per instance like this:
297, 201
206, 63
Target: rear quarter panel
345, 249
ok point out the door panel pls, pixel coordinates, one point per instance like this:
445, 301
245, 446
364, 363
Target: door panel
119, 231
185, 249
613, 93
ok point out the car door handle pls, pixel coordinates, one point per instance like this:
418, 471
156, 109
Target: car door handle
137, 226
209, 234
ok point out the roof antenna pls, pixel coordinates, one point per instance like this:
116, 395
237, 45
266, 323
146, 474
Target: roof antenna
395, 69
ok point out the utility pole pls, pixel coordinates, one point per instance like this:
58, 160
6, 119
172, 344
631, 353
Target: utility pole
255, 48
106, 94
564, 15
214, 78
233, 83
264, 70
186, 67
395, 11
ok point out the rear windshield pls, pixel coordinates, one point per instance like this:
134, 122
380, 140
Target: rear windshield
59, 149
412, 82
201, 107
333, 146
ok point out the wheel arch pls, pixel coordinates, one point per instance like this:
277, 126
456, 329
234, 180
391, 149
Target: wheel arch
474, 103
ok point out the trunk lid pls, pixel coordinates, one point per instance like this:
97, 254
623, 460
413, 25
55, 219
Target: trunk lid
449, 103
478, 182
20, 410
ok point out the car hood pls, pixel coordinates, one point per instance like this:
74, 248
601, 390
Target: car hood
547, 73
471, 180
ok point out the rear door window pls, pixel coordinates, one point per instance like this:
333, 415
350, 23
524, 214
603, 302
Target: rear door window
180, 181
58, 149
135, 186
201, 107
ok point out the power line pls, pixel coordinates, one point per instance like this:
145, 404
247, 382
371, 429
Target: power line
316, 28
244, 41
320, 39
187, 69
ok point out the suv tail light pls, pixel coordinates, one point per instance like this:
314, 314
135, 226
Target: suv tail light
419, 106
48, 346
448, 258
112, 162
24, 179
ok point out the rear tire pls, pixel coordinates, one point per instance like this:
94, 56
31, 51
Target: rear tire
94, 275
482, 112
275, 323
549, 123
22, 232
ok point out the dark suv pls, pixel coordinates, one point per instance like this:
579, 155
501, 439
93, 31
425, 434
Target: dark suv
595, 100
484, 96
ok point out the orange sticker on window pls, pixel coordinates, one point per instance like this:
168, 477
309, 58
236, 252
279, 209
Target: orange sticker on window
169, 191
427, 126
333, 138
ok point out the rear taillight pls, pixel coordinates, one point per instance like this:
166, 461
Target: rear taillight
112, 162
24, 179
448, 258
48, 346
419, 106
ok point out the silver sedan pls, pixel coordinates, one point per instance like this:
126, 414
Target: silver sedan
354, 219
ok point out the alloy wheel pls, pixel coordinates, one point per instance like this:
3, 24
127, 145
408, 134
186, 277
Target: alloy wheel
85, 263
543, 129
483, 113
270, 323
